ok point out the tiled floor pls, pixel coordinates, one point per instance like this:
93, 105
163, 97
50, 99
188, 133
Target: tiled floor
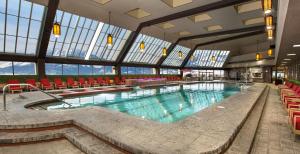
53, 147
274, 135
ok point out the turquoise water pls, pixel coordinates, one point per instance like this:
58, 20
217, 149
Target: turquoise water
164, 104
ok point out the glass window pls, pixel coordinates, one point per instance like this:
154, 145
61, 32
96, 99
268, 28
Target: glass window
173, 59
203, 58
152, 52
23, 25
131, 70
85, 70
109, 70
124, 70
167, 71
100, 50
53, 69
98, 70
6, 68
75, 38
70, 69
24, 68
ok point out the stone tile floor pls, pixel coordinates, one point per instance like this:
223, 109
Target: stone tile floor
53, 147
274, 135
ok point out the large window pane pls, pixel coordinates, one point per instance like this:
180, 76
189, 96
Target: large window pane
173, 59
53, 69
203, 58
75, 38
6, 68
98, 70
24, 68
109, 70
85, 70
23, 20
70, 69
152, 52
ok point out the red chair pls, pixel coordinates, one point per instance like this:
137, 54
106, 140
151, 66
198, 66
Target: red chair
107, 80
31, 82
59, 84
83, 83
71, 83
16, 88
124, 79
117, 81
46, 85
101, 81
92, 82
295, 122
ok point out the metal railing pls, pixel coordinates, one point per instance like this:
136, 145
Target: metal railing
28, 85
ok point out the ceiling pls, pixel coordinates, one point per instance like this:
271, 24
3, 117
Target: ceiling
228, 18
290, 34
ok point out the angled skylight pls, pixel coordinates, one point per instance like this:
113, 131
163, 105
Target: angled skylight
103, 52
85, 38
203, 58
152, 52
76, 35
20, 26
173, 59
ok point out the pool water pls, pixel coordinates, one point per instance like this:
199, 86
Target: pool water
163, 104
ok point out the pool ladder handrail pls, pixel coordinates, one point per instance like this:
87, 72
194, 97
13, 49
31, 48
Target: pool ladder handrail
28, 85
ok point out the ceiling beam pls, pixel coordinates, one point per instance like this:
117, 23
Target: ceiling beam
16, 57
46, 33
186, 13
221, 40
233, 31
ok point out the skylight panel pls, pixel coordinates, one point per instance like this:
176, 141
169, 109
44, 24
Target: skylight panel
20, 25
84, 38
152, 52
173, 59
105, 53
203, 58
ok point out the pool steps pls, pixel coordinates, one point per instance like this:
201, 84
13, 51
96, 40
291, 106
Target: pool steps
85, 141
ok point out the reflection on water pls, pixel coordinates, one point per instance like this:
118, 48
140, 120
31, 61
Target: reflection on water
163, 104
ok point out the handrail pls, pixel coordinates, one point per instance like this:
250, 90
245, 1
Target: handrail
25, 84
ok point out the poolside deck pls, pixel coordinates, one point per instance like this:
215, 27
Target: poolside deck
208, 131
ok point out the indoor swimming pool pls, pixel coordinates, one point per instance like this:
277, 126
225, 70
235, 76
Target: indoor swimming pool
162, 104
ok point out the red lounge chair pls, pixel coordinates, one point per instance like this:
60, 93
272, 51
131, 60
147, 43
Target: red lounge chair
31, 82
16, 88
59, 84
92, 82
296, 123
107, 80
117, 81
46, 85
71, 83
83, 83
101, 81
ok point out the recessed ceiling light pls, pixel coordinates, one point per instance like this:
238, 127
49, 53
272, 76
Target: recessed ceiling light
254, 21
287, 59
284, 62
176, 3
102, 2
247, 7
138, 13
296, 45
200, 17
291, 54
213, 28
166, 25
184, 33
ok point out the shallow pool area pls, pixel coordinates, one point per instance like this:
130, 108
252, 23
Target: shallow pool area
162, 104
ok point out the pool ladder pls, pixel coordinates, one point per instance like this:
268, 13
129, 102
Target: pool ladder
28, 85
